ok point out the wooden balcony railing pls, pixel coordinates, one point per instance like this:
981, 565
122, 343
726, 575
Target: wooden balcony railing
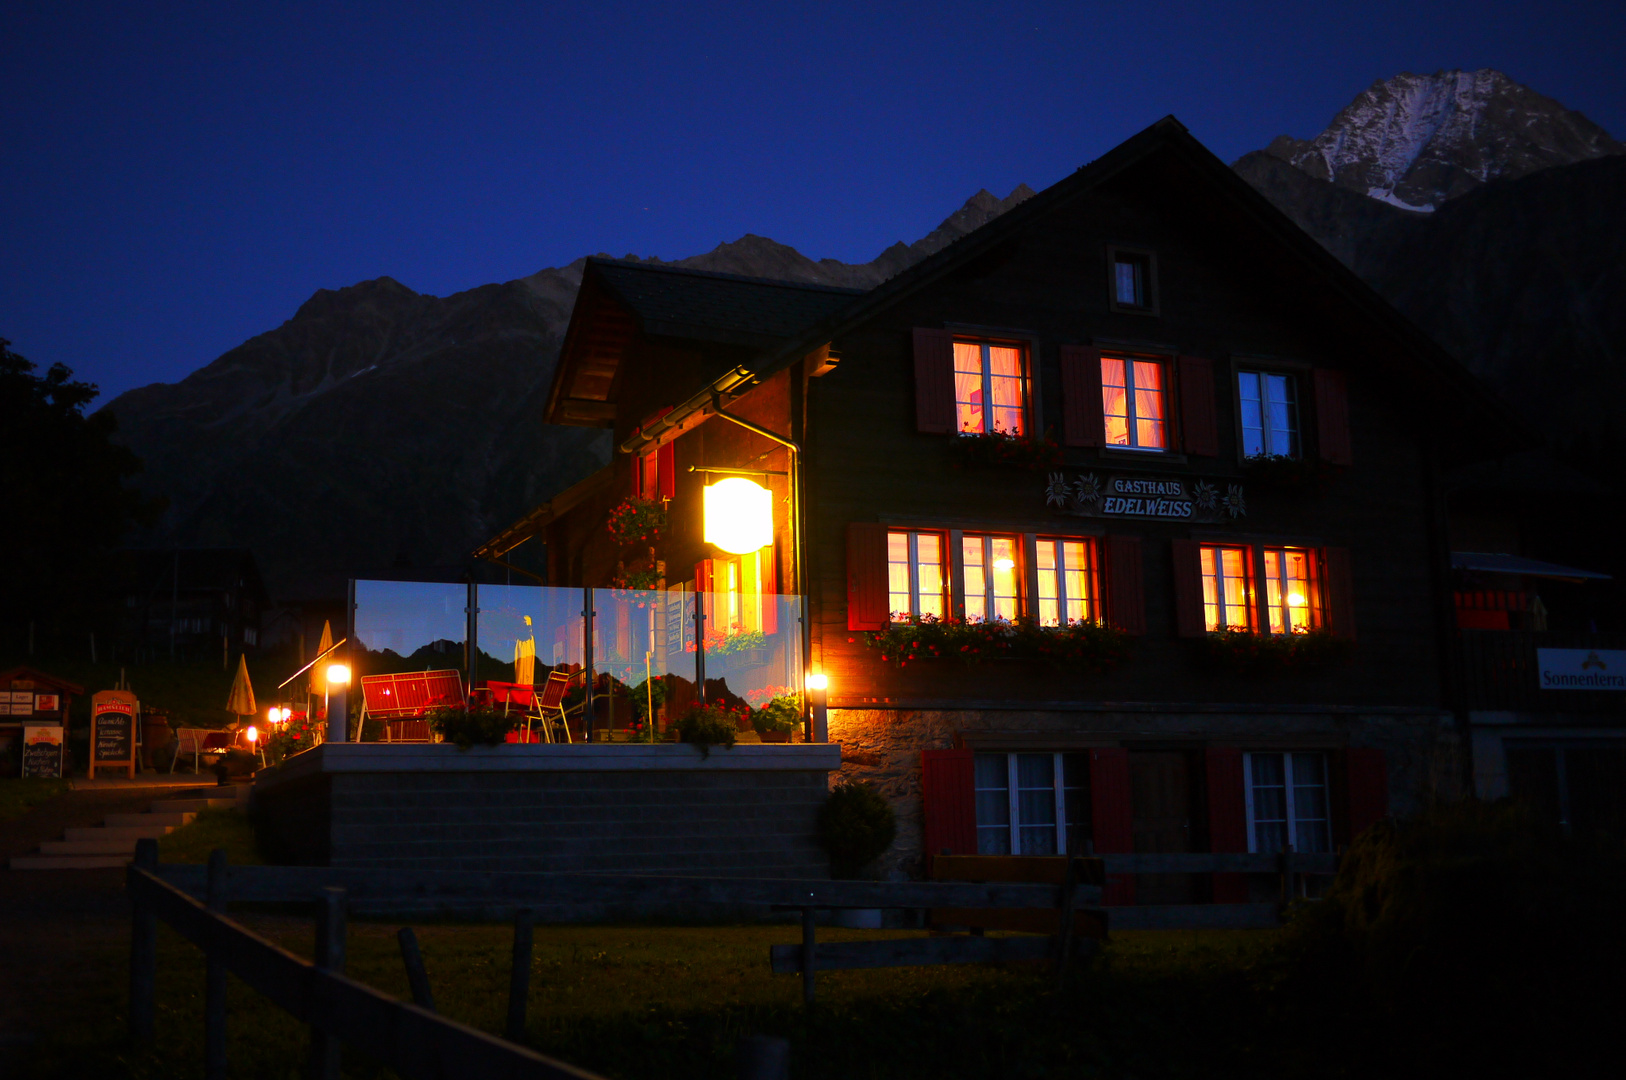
1501, 673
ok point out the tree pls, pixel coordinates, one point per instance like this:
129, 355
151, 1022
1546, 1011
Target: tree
63, 480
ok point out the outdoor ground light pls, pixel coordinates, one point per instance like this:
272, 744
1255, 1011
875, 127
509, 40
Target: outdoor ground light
739, 515
818, 683
252, 734
338, 675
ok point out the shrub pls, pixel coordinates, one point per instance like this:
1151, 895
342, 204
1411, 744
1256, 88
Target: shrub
1089, 647
1472, 918
1001, 448
706, 726
783, 713
468, 727
856, 826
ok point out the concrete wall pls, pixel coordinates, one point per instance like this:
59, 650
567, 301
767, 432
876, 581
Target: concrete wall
749, 811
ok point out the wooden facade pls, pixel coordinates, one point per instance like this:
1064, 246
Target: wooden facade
1171, 748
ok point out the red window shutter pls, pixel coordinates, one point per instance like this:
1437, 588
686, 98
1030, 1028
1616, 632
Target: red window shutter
768, 586
934, 380
1366, 789
666, 467
949, 801
866, 576
1332, 416
1188, 589
1338, 591
1197, 406
1111, 817
1227, 818
1082, 424
1126, 590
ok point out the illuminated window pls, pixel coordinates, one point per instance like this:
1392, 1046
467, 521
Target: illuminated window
1287, 802
1134, 403
988, 388
1067, 589
1270, 414
916, 583
738, 584
1292, 593
990, 578
1227, 590
1032, 804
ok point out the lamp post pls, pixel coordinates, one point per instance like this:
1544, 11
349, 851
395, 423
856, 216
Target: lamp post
818, 698
333, 700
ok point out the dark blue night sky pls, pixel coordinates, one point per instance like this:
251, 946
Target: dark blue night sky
178, 177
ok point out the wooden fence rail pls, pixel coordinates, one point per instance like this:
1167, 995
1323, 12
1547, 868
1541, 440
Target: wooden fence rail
415, 1042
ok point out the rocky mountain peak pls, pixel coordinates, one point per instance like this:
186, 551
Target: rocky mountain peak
1415, 141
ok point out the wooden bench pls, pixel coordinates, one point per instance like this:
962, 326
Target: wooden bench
1026, 869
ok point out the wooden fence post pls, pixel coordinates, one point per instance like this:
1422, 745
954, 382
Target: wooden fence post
214, 984
143, 946
519, 977
324, 1060
809, 957
417, 977
1069, 909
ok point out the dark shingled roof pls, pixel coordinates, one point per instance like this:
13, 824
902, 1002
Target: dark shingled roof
726, 307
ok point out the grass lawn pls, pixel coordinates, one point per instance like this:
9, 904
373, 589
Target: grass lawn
19, 796
225, 828
672, 1002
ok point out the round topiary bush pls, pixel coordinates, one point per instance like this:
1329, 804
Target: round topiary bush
856, 826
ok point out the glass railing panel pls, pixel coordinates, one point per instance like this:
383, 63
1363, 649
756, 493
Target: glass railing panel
643, 657
753, 647
524, 631
408, 626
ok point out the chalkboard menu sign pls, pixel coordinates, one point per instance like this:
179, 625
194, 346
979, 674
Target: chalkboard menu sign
42, 751
112, 730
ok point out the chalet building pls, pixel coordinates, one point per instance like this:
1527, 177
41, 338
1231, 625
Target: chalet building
194, 603
1121, 520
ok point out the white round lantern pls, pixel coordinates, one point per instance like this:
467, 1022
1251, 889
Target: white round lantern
739, 515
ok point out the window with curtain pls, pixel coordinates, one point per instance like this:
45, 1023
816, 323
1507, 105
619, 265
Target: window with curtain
989, 388
1032, 803
917, 584
1287, 802
1132, 286
1270, 414
989, 568
1067, 581
1292, 591
1134, 403
1227, 588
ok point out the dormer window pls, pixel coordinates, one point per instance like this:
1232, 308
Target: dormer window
1133, 284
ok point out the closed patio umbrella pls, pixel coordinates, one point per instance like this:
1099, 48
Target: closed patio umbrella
241, 701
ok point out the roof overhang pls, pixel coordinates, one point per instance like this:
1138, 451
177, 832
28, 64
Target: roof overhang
1490, 563
537, 520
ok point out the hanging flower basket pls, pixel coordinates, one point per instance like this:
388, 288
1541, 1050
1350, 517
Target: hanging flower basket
637, 521
1001, 449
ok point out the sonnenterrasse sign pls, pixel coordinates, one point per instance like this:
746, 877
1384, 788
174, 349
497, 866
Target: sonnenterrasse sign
1582, 669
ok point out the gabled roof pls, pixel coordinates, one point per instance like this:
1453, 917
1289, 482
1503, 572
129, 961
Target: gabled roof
1226, 191
36, 675
618, 298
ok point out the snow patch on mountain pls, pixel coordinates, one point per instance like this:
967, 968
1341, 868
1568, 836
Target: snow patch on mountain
1414, 141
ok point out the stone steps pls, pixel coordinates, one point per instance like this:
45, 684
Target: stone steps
113, 843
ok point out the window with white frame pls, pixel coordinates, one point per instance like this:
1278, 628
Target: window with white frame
988, 566
1067, 583
989, 388
1227, 587
1292, 591
1134, 403
1287, 802
1270, 414
917, 584
1032, 803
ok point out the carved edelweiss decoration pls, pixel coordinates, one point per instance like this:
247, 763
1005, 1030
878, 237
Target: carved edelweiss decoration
1055, 492
1087, 489
1205, 495
1234, 503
